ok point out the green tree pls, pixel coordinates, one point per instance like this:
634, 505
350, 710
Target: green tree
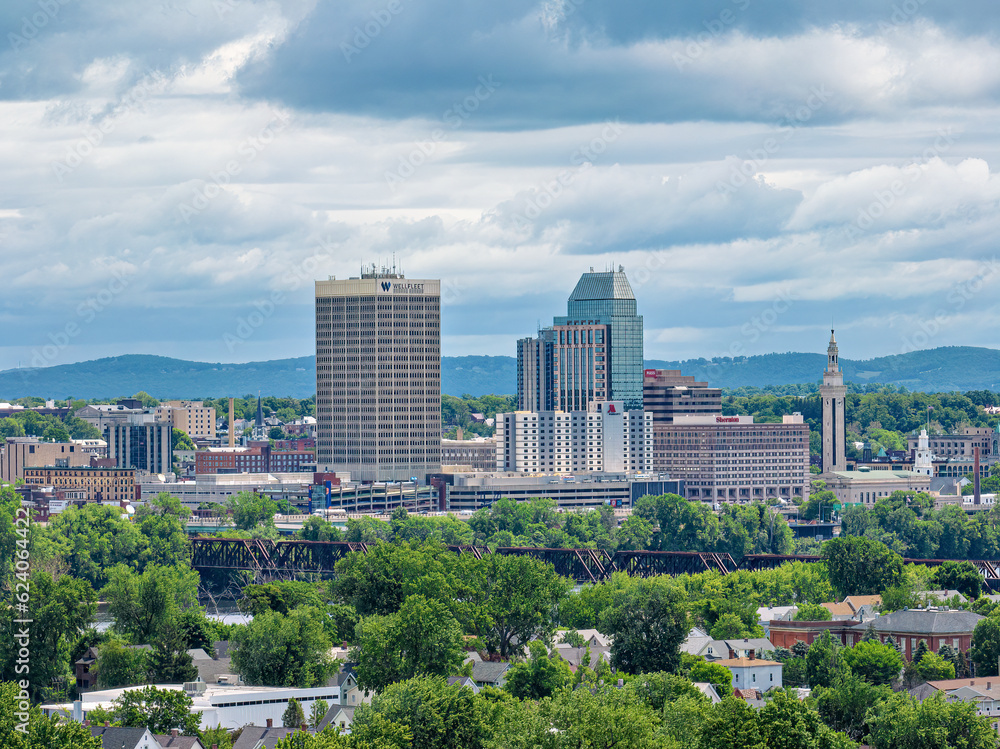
422, 638
294, 716
121, 665
433, 714
11, 428
580, 719
38, 731
718, 676
91, 540
684, 525
163, 521
540, 676
845, 704
277, 650
960, 576
179, 440
170, 663
218, 737
812, 612
823, 661
281, 596
317, 712
648, 622
932, 667
317, 529
509, 600
986, 646
142, 604
729, 626
159, 710
860, 566
635, 532
55, 433
60, 610
789, 723
732, 724
873, 662
250, 509
901, 722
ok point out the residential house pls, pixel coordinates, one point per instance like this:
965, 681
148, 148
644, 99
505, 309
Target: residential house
350, 693
113, 737
696, 642
938, 626
489, 673
839, 612
709, 691
745, 648
339, 716
262, 737
984, 691
768, 614
463, 681
753, 673
176, 741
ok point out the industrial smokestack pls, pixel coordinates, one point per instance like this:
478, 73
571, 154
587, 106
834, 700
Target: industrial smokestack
232, 433
975, 475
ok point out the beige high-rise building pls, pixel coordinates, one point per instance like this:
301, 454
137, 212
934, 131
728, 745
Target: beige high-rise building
378, 376
191, 417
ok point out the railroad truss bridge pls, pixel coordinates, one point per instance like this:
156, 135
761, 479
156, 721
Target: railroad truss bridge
282, 559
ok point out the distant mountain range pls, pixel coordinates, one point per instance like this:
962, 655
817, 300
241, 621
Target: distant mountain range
936, 370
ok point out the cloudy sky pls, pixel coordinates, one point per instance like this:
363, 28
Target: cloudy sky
177, 173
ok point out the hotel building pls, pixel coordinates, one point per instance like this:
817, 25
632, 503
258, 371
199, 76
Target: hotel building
732, 459
606, 439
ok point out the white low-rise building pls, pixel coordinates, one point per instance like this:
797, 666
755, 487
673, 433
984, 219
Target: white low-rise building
217, 704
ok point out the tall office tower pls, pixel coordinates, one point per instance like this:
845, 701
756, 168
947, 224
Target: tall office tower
598, 345
143, 443
832, 392
378, 376
667, 394
535, 357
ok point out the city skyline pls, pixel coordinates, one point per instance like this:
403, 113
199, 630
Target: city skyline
177, 169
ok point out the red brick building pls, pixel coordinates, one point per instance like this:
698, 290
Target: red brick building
937, 627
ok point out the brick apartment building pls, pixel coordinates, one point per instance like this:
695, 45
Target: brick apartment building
100, 484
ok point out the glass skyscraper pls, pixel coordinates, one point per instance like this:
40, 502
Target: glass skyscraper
596, 347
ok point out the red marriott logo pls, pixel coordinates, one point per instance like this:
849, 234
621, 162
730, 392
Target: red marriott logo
611, 408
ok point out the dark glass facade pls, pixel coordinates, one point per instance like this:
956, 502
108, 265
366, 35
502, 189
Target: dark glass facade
596, 347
